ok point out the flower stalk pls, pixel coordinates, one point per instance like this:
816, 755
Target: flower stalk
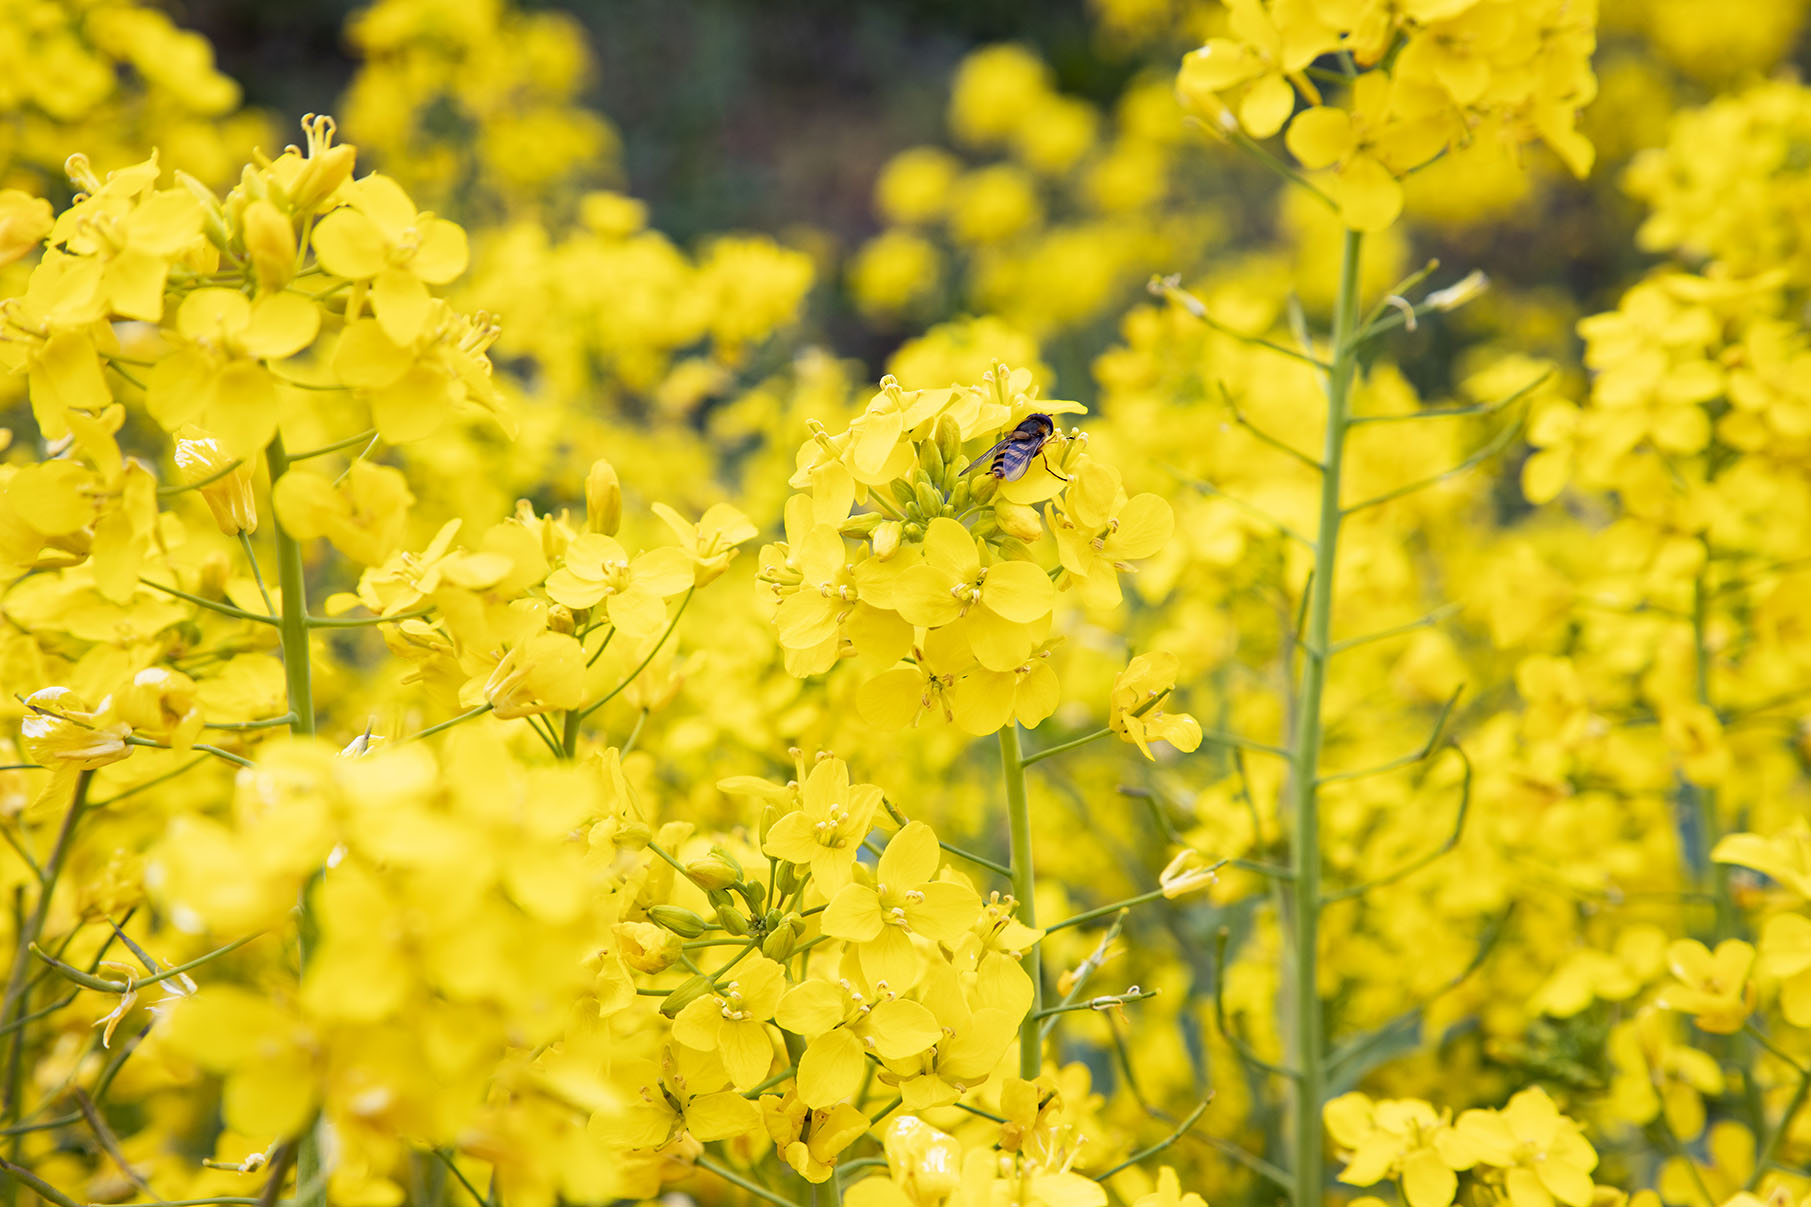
1309, 1032
1024, 889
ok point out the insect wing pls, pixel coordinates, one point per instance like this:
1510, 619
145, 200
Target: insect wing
1014, 457
991, 457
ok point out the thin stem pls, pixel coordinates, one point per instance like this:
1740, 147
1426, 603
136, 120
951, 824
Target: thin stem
1103, 911
1146, 1154
211, 605
431, 730
1024, 890
1305, 889
643, 665
362, 438
735, 1179
1038, 756
251, 559
363, 622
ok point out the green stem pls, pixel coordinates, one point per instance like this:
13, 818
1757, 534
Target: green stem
1038, 756
13, 1008
298, 676
1024, 888
293, 624
1305, 890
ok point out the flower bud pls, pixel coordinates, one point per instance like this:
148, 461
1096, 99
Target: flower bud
949, 442
930, 499
685, 995
324, 170
913, 531
228, 494
755, 894
860, 525
646, 947
603, 499
786, 880
634, 835
1019, 520
270, 243
779, 944
732, 920
714, 871
158, 704
930, 460
678, 919
962, 492
559, 619
213, 222
886, 539
903, 493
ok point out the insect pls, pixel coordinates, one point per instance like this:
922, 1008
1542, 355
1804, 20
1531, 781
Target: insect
1012, 456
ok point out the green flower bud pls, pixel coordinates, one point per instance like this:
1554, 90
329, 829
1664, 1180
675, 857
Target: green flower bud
779, 944
732, 920
949, 440
860, 525
930, 460
686, 994
716, 870
786, 880
719, 897
755, 894
964, 490
903, 493
678, 919
930, 499
914, 531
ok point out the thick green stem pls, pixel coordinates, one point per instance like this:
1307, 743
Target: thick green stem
1310, 1038
298, 676
1024, 890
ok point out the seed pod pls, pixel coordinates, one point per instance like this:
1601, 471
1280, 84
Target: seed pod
678, 919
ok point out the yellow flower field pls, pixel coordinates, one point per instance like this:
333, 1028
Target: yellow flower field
1288, 679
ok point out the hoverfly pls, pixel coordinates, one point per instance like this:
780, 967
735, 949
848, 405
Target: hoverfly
1012, 456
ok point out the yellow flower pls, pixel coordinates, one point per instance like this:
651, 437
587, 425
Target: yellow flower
825, 833
1403, 1138
1714, 988
60, 730
1266, 52
1000, 606
844, 1022
378, 237
1099, 531
979, 1022
1785, 856
544, 673
712, 542
687, 1092
597, 569
1169, 1193
217, 376
1544, 1154
1371, 147
363, 513
914, 185
1137, 705
227, 488
904, 901
732, 1021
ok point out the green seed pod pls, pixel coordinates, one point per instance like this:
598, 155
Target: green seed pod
686, 994
732, 920
678, 919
